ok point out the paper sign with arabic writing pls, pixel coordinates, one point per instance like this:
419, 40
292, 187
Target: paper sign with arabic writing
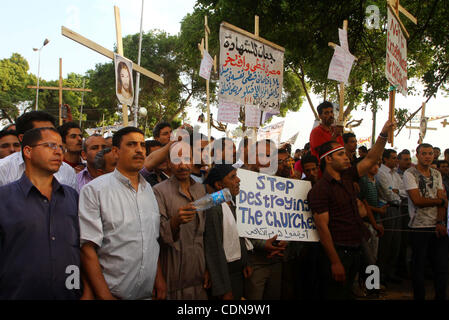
251, 72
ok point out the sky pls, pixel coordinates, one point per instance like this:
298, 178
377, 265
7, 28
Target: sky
94, 19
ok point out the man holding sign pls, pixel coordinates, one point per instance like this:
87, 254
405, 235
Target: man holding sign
334, 206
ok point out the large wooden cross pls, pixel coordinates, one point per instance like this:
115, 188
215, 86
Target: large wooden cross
110, 54
395, 9
60, 88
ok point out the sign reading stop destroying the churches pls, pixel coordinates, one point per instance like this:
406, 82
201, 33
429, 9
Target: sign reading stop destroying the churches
269, 206
396, 62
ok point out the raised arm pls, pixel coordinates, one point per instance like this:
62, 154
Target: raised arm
376, 151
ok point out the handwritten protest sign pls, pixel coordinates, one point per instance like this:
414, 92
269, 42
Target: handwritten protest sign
251, 72
269, 206
343, 38
396, 62
252, 116
341, 65
228, 112
273, 132
206, 65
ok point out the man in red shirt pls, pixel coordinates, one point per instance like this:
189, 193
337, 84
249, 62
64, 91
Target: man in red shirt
326, 131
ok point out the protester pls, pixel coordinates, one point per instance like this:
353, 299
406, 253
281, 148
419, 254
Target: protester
105, 161
443, 167
39, 230
436, 153
297, 155
363, 151
350, 143
119, 223
427, 209
310, 168
182, 228
326, 131
226, 252
162, 132
284, 169
91, 146
72, 139
199, 168
333, 204
446, 154
13, 166
390, 186
9, 143
159, 173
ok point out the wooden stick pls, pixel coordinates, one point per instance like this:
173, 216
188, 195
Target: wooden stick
256, 26
391, 115
60, 91
206, 43
118, 32
105, 52
57, 88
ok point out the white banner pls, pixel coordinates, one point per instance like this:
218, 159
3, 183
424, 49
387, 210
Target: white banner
206, 66
273, 132
269, 206
252, 116
396, 62
228, 112
250, 72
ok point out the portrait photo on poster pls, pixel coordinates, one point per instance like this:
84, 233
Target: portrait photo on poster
124, 80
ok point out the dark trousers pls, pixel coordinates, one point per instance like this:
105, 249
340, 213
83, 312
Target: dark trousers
403, 266
237, 279
351, 259
389, 243
427, 245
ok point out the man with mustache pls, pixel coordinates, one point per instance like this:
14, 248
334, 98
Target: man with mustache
119, 224
39, 229
72, 140
182, 228
326, 131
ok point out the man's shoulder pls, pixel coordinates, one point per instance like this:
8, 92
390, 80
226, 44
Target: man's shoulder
103, 182
163, 185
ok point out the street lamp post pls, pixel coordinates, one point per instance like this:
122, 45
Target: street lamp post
46, 41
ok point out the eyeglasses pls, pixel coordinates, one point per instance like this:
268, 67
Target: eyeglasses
51, 145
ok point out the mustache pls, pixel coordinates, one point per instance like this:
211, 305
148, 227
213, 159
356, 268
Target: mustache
140, 157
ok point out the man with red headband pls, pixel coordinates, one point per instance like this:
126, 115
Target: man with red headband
333, 203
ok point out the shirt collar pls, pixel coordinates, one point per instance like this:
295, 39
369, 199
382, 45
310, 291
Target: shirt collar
328, 177
120, 177
386, 169
26, 185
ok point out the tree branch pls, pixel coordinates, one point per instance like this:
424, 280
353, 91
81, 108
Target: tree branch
303, 83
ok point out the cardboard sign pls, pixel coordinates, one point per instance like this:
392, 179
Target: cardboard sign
251, 72
269, 206
228, 112
252, 116
396, 62
341, 65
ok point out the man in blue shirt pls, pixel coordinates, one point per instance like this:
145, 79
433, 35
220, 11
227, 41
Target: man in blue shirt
39, 230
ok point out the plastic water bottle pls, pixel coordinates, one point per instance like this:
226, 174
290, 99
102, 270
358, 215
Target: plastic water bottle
212, 200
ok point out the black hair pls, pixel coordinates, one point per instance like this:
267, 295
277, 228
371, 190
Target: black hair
307, 146
324, 148
437, 148
347, 135
363, 148
5, 133
33, 136
117, 137
157, 129
25, 121
308, 158
400, 154
324, 105
297, 150
151, 144
446, 151
387, 154
423, 145
65, 128
440, 162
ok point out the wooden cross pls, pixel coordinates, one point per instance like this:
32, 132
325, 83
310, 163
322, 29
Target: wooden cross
395, 9
444, 123
204, 45
60, 88
423, 116
342, 84
109, 54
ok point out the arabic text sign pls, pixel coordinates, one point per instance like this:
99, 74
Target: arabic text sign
341, 65
250, 72
269, 206
228, 112
273, 132
252, 116
396, 62
206, 66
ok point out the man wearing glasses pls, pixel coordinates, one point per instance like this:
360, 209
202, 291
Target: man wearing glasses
39, 230
13, 166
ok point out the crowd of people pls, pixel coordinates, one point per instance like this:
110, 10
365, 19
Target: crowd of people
95, 218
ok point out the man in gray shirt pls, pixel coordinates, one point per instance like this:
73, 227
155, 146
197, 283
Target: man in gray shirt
119, 226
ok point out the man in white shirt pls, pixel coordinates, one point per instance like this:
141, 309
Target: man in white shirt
13, 166
427, 209
389, 186
119, 226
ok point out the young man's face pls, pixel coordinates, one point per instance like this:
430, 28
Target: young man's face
405, 162
8, 145
327, 117
338, 160
311, 171
132, 151
284, 169
425, 156
94, 144
392, 161
74, 140
164, 135
444, 169
351, 145
436, 153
